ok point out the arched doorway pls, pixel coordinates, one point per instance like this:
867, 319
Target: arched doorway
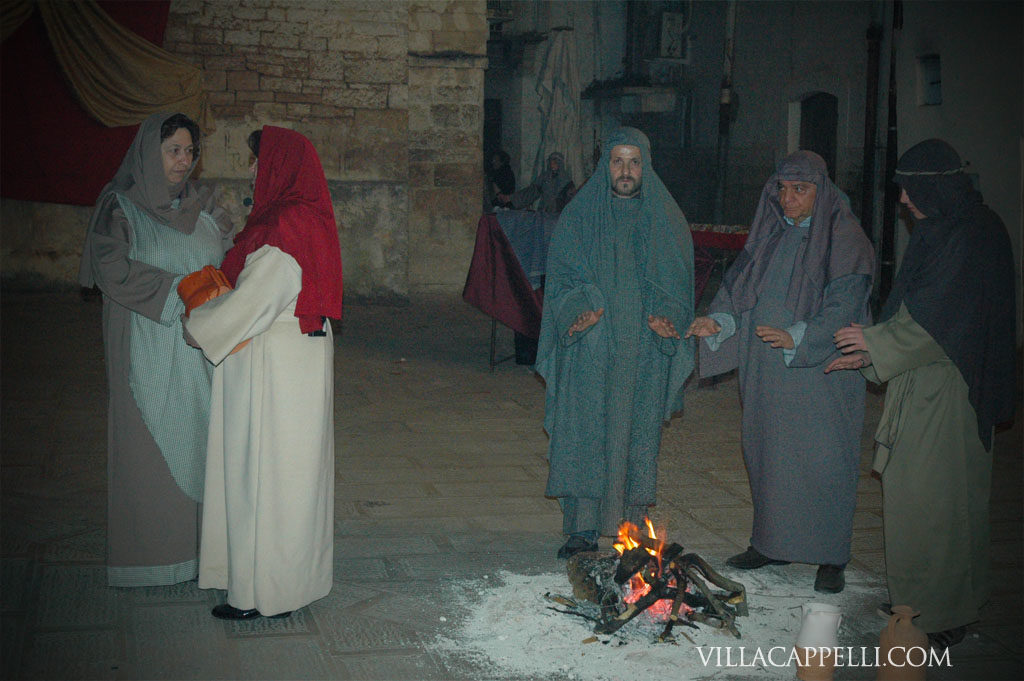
819, 119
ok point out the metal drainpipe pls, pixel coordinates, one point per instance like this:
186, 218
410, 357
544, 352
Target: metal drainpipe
867, 204
725, 105
887, 245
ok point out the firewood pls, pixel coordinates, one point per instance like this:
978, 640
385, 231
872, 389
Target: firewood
590, 574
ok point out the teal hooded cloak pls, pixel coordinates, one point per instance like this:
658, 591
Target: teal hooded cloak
610, 387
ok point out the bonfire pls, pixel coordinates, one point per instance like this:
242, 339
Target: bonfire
646, 575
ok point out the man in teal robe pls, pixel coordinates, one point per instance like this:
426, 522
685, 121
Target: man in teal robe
619, 286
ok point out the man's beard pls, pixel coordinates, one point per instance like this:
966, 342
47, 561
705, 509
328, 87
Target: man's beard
635, 192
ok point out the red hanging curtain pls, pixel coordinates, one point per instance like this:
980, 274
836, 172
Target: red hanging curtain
51, 150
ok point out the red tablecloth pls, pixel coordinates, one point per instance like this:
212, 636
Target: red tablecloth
496, 284
705, 261
728, 241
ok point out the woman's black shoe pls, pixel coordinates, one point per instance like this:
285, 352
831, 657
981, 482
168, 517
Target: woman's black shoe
230, 612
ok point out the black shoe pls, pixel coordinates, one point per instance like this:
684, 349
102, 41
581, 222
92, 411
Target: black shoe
884, 610
576, 544
830, 579
230, 612
751, 559
280, 615
940, 640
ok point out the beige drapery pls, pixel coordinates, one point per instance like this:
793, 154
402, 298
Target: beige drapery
13, 14
119, 77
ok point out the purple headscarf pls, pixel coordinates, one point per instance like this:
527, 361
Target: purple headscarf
836, 245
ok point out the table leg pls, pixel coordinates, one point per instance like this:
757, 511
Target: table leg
492, 360
494, 335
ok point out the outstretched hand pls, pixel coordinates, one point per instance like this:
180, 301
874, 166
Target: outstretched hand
778, 338
850, 339
702, 327
662, 326
585, 320
857, 360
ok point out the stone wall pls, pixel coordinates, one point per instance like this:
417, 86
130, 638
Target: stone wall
41, 243
389, 93
447, 58
446, 173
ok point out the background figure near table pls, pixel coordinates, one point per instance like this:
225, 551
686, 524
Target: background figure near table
945, 344
554, 187
268, 521
501, 179
149, 229
619, 284
806, 268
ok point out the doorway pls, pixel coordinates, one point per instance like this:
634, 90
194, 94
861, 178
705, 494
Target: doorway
819, 120
492, 129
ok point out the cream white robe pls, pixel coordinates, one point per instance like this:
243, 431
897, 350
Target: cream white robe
267, 533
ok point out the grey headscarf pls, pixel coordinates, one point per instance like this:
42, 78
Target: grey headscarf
559, 179
836, 245
549, 185
141, 178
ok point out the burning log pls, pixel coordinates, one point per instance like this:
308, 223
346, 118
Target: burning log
590, 574
626, 585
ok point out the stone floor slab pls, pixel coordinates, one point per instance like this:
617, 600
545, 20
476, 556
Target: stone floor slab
440, 476
61, 655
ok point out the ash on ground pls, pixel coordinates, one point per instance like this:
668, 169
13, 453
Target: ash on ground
510, 629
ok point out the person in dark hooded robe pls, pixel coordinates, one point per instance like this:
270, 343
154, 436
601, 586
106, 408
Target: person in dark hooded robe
150, 228
945, 345
619, 284
554, 187
805, 270
501, 177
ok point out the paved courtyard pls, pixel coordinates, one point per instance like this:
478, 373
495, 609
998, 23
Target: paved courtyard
440, 475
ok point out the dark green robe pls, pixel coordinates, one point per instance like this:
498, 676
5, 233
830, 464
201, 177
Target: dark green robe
936, 477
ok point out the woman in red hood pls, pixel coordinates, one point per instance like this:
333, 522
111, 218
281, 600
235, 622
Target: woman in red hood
268, 515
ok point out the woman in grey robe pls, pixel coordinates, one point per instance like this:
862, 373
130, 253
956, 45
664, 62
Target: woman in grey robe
805, 270
553, 187
149, 229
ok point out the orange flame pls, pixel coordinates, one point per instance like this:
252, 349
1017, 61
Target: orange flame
637, 587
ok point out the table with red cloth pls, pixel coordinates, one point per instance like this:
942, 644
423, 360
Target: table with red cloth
708, 243
497, 285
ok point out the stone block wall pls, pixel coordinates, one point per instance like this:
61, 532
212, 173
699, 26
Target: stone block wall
447, 58
41, 246
389, 92
445, 169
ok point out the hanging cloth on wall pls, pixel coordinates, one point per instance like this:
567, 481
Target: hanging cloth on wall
12, 15
558, 86
49, 133
120, 78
